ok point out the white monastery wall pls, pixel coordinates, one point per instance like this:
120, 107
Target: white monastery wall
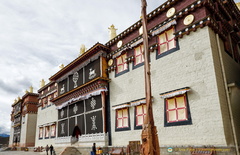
125, 88
191, 66
11, 135
235, 100
23, 131
232, 73
45, 116
31, 128
222, 84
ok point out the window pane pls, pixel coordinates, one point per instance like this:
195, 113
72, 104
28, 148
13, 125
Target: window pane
125, 122
40, 132
119, 60
138, 55
177, 112
139, 110
125, 66
124, 61
180, 102
166, 41
125, 113
138, 50
145, 108
138, 60
171, 103
170, 35
172, 115
171, 44
120, 68
163, 48
119, 114
142, 57
122, 118
162, 38
53, 130
124, 56
119, 123
121, 63
140, 120
182, 114
47, 132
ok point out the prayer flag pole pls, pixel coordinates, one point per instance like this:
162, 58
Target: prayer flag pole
150, 144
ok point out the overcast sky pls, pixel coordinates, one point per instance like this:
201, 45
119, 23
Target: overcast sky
36, 36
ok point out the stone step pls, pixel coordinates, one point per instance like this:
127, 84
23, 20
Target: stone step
70, 151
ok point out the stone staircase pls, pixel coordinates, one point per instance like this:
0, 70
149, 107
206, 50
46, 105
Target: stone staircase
69, 151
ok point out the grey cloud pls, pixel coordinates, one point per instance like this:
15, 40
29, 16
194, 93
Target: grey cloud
15, 86
36, 36
4, 129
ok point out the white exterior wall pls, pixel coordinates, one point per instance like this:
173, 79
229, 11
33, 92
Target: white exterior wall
11, 135
23, 131
31, 128
232, 73
28, 130
191, 66
45, 116
123, 89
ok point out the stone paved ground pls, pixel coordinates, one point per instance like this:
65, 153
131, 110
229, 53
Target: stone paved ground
21, 153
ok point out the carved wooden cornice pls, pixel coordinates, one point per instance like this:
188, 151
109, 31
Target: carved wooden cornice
97, 83
84, 57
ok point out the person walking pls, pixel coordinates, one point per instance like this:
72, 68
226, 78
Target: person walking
94, 149
47, 149
51, 149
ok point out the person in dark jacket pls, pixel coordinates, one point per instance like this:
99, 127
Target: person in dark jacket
51, 149
94, 149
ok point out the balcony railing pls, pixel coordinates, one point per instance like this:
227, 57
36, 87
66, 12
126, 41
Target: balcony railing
98, 137
63, 140
94, 137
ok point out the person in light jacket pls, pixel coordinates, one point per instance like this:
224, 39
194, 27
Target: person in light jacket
47, 149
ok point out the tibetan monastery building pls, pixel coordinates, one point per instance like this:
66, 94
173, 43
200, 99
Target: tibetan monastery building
194, 56
194, 52
24, 119
82, 99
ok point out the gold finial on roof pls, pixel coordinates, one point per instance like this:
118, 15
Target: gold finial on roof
42, 83
26, 91
61, 66
112, 32
238, 5
18, 99
82, 49
31, 89
15, 100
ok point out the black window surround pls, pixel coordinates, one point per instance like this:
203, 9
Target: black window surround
124, 128
186, 122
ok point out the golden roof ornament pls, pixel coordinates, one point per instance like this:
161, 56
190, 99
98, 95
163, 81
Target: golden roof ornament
61, 66
171, 12
42, 83
82, 49
188, 19
15, 100
26, 91
18, 99
238, 5
31, 89
112, 32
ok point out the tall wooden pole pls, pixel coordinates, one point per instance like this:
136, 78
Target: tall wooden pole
150, 144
